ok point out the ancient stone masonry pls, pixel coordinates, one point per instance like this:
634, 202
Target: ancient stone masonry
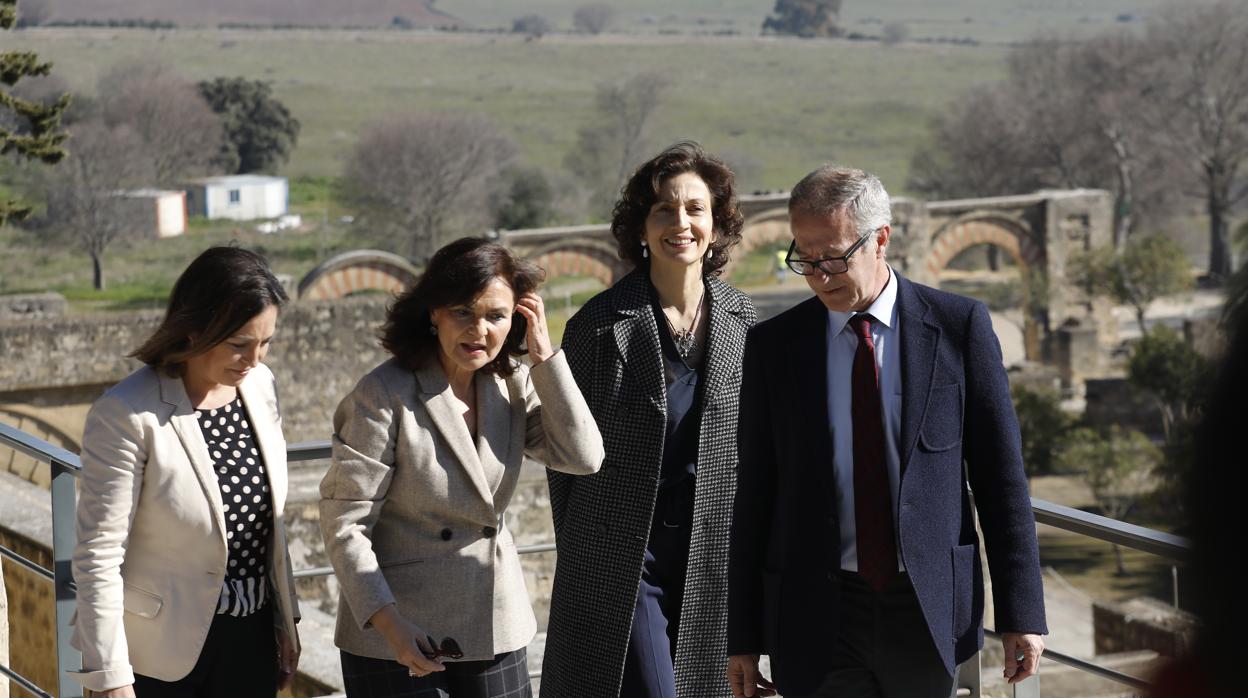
54, 369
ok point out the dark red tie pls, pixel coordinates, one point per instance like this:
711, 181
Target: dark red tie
873, 503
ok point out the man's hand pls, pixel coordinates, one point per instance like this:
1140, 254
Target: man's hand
1022, 655
744, 678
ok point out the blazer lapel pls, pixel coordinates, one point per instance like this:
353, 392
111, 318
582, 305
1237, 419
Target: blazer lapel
268, 432
447, 415
725, 336
808, 377
919, 340
186, 425
637, 338
494, 434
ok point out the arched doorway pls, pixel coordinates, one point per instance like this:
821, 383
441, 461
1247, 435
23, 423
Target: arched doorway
995, 258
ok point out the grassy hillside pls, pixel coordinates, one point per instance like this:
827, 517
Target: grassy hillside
992, 21
779, 107
209, 13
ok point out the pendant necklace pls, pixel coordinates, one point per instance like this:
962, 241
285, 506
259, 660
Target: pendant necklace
686, 340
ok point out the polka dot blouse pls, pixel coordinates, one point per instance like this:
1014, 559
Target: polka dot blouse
248, 511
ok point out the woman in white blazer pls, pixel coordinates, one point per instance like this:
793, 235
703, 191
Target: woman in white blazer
184, 584
426, 452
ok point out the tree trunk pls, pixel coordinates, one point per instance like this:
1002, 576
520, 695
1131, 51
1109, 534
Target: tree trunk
1219, 180
1125, 196
1122, 565
1219, 238
97, 269
994, 258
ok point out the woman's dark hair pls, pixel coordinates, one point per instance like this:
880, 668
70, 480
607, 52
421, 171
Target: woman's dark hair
457, 274
628, 220
222, 290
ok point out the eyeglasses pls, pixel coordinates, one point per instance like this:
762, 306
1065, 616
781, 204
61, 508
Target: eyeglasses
449, 648
827, 265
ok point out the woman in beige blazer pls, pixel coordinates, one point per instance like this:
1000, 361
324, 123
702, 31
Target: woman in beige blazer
426, 452
184, 584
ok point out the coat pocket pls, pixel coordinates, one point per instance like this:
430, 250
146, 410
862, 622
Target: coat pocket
141, 603
963, 589
942, 423
400, 563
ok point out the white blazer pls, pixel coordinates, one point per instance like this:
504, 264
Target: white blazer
412, 508
151, 553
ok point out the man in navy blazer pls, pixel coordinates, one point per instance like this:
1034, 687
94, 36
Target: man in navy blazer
865, 414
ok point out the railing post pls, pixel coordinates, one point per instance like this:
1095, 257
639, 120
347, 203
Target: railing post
64, 503
970, 676
1028, 688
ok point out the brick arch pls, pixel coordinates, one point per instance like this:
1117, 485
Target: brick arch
360, 270
580, 257
30, 421
978, 228
759, 229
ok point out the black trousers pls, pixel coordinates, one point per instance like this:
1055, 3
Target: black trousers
649, 665
505, 676
884, 649
239, 660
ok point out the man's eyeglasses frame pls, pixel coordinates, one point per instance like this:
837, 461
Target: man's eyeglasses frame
797, 264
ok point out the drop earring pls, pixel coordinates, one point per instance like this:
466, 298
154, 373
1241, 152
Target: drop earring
645, 251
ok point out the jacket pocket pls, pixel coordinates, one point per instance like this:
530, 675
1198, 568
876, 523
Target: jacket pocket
400, 563
963, 589
942, 423
141, 603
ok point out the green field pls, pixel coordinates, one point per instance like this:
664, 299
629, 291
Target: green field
781, 106
988, 21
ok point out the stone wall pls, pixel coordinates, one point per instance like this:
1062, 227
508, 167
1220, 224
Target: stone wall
1142, 624
59, 365
26, 528
31, 306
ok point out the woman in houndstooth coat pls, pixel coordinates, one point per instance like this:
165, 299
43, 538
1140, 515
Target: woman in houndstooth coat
639, 606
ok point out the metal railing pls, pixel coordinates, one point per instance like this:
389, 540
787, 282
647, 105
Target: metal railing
66, 466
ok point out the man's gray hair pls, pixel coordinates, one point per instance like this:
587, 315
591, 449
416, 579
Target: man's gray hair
829, 188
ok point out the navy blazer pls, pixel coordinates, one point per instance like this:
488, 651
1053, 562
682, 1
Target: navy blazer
956, 410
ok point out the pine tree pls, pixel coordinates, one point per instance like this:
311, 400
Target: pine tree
38, 135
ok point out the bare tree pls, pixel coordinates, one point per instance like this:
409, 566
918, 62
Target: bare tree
422, 175
593, 18
177, 128
1069, 114
1204, 81
608, 149
84, 193
895, 33
33, 13
532, 26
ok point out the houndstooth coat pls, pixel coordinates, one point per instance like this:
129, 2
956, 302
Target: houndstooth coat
602, 521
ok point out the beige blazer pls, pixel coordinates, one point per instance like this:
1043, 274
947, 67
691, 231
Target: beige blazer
412, 508
151, 553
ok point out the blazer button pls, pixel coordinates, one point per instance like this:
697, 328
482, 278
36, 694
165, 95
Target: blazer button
446, 534
489, 531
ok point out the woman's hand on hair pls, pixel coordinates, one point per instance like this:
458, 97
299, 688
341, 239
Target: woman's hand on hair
537, 336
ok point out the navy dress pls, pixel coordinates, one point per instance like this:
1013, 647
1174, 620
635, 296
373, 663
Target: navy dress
648, 667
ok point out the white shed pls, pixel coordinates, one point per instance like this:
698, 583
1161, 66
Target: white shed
161, 211
238, 197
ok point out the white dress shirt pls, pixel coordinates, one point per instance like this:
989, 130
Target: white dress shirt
842, 345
